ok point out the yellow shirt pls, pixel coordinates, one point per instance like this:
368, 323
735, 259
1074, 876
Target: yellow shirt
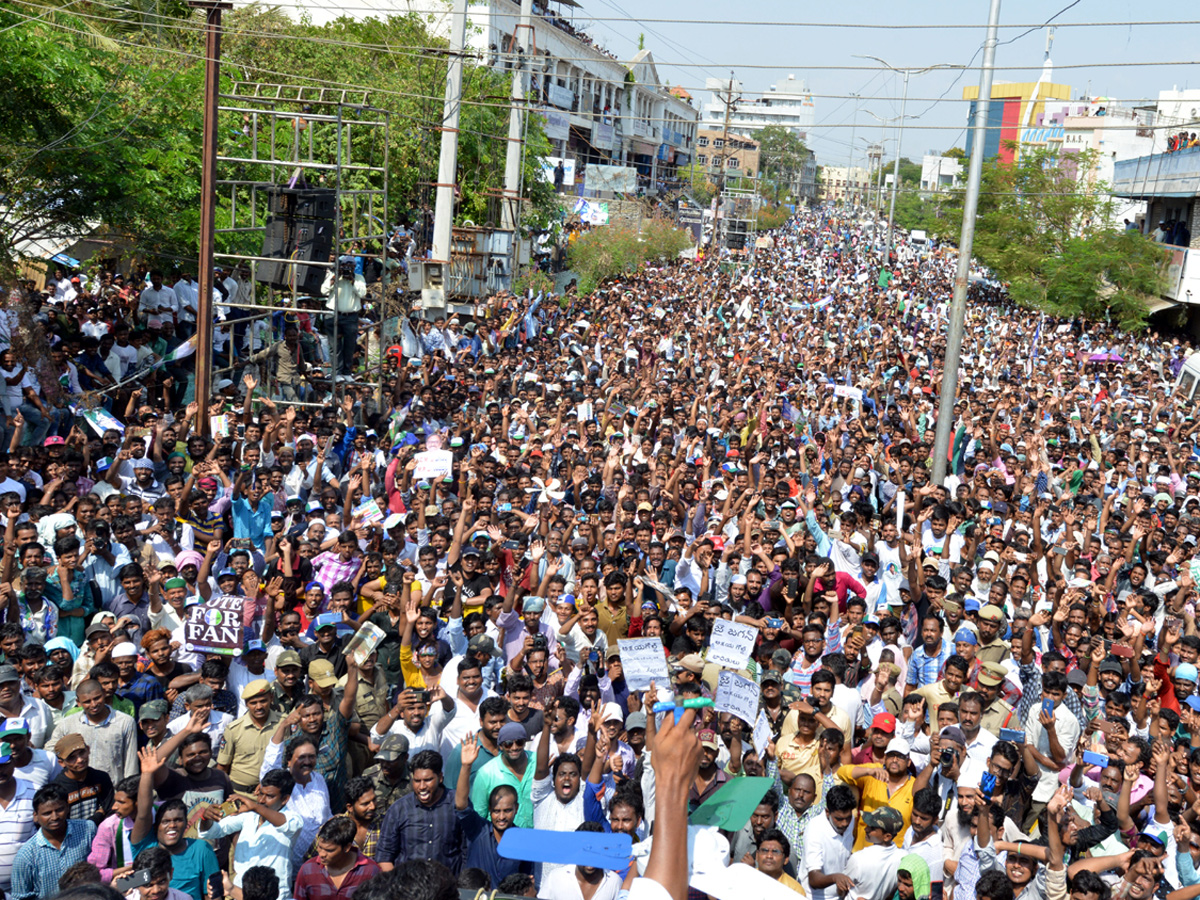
795, 756
412, 672
874, 794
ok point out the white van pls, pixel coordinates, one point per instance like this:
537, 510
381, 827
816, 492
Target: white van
918, 237
1189, 377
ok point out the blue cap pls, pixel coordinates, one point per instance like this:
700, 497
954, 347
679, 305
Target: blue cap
965, 636
1186, 672
228, 572
251, 646
327, 620
971, 605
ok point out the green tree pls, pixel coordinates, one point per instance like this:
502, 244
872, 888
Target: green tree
698, 181
955, 153
1049, 236
781, 158
88, 138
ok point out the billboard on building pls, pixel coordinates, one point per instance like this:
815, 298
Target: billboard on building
557, 125
603, 135
622, 179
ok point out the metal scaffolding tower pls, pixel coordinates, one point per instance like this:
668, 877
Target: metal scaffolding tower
275, 136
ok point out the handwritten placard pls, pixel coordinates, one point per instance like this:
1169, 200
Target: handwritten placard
761, 736
737, 695
643, 661
433, 464
731, 644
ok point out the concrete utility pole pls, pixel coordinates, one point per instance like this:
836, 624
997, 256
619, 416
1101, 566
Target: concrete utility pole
433, 297
729, 102
516, 119
208, 208
958, 304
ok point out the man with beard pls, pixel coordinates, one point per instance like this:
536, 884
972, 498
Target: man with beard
483, 833
744, 843
511, 767
493, 713
389, 775
424, 824
195, 781
364, 812
924, 838
288, 688
889, 785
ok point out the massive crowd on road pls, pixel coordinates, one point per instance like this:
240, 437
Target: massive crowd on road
984, 688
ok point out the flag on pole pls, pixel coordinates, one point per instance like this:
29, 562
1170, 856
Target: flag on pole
183, 351
790, 412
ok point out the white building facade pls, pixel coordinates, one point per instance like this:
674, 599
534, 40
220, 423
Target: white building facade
788, 103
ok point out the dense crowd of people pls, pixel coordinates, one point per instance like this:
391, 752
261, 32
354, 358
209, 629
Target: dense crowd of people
980, 688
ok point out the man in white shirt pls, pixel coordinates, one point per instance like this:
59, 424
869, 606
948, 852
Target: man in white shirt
421, 721
1051, 733
873, 868
828, 840
187, 293
158, 300
344, 292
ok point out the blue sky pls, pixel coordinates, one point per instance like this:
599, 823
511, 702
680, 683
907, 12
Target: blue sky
931, 123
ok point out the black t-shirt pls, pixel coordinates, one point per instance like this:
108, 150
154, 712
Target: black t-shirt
335, 656
91, 798
213, 786
472, 587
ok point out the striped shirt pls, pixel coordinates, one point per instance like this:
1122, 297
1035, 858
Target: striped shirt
16, 827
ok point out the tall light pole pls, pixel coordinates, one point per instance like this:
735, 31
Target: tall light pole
958, 304
900, 137
853, 125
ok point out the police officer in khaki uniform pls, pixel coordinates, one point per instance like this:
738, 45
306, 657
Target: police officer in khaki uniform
245, 740
996, 713
992, 647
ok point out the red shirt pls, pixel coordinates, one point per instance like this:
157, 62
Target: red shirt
314, 883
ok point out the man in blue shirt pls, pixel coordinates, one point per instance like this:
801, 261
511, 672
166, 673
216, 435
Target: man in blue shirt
59, 843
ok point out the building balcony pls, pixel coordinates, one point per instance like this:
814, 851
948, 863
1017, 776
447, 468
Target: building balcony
1158, 175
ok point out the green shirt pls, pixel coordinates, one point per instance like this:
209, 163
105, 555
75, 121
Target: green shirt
496, 773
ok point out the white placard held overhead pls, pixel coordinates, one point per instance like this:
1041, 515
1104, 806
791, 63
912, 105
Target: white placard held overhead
731, 644
643, 661
737, 695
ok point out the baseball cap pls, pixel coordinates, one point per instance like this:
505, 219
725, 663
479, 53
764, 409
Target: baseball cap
781, 658
288, 658
481, 643
635, 720
884, 722
954, 733
886, 818
708, 738
155, 709
1111, 665
321, 672
965, 636
14, 726
611, 712
512, 731
255, 687
68, 744
395, 746
771, 675
897, 745
7, 674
